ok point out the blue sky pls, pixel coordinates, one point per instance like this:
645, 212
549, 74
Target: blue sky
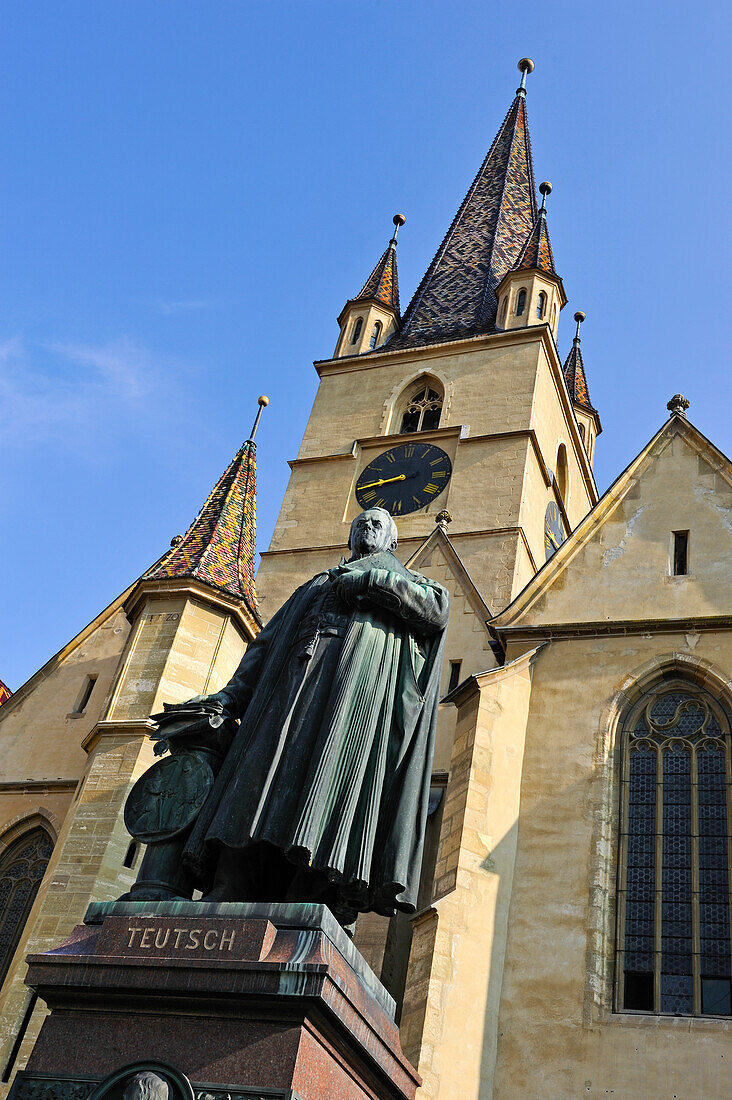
190, 192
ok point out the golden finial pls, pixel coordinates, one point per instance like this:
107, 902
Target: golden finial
261, 401
525, 66
399, 221
579, 318
442, 519
545, 189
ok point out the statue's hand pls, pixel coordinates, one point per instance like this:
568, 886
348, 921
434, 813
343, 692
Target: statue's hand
351, 585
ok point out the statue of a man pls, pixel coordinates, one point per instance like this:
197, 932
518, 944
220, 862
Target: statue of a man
322, 795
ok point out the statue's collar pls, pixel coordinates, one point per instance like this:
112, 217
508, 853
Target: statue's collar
383, 559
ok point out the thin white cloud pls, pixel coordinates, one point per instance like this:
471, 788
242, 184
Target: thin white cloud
55, 389
191, 306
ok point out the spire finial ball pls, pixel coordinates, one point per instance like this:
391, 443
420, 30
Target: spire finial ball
579, 316
526, 65
263, 400
545, 188
398, 219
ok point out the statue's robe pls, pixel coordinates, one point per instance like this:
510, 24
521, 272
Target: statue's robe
331, 763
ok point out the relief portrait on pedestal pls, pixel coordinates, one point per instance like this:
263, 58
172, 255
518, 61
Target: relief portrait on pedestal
321, 791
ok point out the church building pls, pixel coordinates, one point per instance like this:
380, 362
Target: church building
573, 931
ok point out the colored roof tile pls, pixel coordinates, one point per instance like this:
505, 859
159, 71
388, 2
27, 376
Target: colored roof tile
456, 297
218, 547
5, 693
383, 282
537, 252
574, 376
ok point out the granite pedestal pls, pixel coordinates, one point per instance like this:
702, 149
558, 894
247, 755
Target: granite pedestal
250, 1000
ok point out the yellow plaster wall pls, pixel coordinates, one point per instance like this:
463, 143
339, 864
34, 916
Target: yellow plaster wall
623, 570
449, 1022
40, 736
558, 1035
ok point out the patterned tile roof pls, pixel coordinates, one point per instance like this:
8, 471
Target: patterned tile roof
456, 297
383, 282
5, 693
537, 252
574, 376
218, 547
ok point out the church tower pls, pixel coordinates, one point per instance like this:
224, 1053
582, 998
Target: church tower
461, 406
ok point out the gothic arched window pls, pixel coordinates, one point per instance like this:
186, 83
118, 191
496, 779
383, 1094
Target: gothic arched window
674, 944
375, 334
357, 330
521, 303
502, 314
423, 407
22, 867
540, 305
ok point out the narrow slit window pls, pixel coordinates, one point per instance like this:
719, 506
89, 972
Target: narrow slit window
130, 854
86, 694
540, 305
681, 553
521, 303
375, 334
357, 330
455, 667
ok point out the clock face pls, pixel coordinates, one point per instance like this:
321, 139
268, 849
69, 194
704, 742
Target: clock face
554, 534
404, 478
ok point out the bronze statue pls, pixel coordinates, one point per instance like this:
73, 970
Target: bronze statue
320, 793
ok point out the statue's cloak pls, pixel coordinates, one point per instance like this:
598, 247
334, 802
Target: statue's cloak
332, 760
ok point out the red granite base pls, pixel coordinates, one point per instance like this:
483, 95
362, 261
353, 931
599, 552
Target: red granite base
277, 1000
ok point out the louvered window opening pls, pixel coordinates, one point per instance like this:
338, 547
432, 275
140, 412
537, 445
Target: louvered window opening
21, 869
674, 935
422, 412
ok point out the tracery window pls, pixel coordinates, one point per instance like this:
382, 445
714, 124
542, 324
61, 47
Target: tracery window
22, 867
674, 881
423, 408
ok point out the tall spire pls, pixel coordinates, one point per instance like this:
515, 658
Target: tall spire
456, 297
537, 251
574, 371
382, 284
218, 547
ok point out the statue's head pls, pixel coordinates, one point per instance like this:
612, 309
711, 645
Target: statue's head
146, 1086
371, 532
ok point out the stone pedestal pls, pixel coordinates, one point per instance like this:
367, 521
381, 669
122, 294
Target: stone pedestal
251, 1000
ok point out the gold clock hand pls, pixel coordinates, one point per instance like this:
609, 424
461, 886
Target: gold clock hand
383, 481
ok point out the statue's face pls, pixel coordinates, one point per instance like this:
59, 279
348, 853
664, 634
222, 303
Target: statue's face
371, 532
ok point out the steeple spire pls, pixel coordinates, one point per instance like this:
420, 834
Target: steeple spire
587, 415
218, 547
383, 283
456, 297
537, 251
369, 318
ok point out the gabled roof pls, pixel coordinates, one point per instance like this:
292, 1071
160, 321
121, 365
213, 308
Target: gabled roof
456, 297
439, 538
528, 611
537, 252
5, 693
218, 547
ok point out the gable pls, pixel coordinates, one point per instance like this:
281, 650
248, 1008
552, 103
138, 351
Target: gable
618, 564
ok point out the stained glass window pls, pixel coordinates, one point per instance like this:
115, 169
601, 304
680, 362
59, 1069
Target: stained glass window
674, 883
22, 867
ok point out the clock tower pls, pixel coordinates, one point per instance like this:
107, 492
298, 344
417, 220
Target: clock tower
460, 405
